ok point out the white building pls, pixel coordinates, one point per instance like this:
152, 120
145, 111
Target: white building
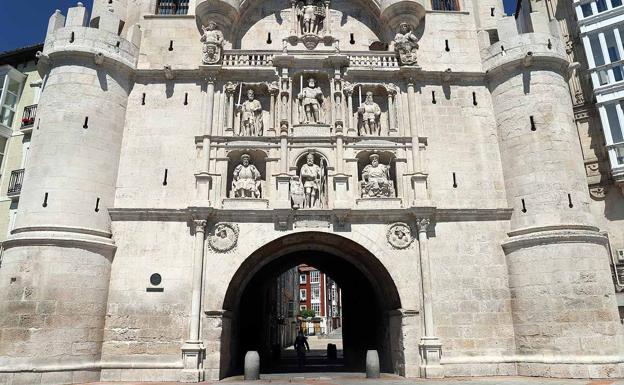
601, 24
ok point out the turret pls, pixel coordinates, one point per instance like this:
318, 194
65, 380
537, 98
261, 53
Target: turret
557, 259
56, 264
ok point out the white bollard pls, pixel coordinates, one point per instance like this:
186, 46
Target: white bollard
372, 364
252, 366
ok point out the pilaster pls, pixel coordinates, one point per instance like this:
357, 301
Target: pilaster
430, 346
193, 351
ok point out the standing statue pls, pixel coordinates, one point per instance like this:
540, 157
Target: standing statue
297, 193
376, 180
406, 44
246, 180
311, 15
369, 113
311, 177
251, 116
213, 43
311, 98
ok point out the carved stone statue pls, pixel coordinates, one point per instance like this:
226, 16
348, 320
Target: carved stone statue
369, 113
376, 181
297, 193
311, 15
213, 43
311, 177
311, 98
251, 116
406, 44
246, 180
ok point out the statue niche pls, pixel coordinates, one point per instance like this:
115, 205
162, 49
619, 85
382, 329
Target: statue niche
250, 116
376, 180
309, 189
375, 113
245, 178
369, 114
311, 103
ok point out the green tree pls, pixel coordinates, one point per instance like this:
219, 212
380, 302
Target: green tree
307, 313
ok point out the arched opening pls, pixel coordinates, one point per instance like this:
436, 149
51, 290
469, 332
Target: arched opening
369, 301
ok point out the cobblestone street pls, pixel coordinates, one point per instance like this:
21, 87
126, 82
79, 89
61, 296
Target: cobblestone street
357, 379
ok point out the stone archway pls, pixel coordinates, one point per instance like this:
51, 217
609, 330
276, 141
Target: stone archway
370, 299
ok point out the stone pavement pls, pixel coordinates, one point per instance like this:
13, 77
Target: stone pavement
358, 379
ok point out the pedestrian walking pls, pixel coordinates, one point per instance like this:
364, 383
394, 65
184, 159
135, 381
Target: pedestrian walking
301, 345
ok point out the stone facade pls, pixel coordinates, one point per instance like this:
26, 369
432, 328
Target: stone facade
135, 260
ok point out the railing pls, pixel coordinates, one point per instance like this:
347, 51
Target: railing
237, 58
240, 59
618, 153
603, 74
28, 118
445, 5
385, 60
15, 183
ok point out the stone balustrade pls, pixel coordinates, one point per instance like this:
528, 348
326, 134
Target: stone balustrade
239, 58
235, 58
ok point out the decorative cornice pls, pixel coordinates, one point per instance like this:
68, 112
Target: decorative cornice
550, 235
266, 215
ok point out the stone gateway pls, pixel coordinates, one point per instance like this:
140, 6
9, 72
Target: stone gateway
220, 148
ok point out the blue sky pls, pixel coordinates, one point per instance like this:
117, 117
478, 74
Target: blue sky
24, 22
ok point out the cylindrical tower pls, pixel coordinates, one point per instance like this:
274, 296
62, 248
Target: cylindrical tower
564, 310
56, 265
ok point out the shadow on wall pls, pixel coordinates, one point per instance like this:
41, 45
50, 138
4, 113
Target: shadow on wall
613, 207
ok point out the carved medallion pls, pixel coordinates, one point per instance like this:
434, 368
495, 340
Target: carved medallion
598, 192
223, 237
399, 235
310, 41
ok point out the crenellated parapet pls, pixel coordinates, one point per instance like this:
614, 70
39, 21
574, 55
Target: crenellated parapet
75, 35
521, 44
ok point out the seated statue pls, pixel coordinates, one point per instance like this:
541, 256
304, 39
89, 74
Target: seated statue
246, 180
376, 180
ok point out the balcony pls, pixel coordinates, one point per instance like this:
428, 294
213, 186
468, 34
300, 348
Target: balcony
15, 183
28, 118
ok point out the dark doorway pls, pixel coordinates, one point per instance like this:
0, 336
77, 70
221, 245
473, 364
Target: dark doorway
369, 297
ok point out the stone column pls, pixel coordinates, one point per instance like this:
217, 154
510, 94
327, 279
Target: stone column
193, 350
203, 179
349, 118
230, 91
293, 14
273, 92
411, 102
327, 21
430, 346
391, 112
419, 177
210, 86
283, 179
